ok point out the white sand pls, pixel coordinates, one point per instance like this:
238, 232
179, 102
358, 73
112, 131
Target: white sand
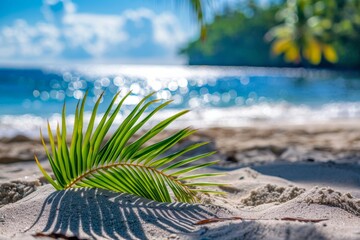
251, 195
275, 172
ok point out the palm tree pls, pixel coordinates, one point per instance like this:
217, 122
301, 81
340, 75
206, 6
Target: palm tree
305, 32
198, 9
308, 30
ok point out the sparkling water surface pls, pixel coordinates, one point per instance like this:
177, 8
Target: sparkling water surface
220, 96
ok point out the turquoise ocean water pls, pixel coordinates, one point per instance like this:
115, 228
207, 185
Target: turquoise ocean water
217, 96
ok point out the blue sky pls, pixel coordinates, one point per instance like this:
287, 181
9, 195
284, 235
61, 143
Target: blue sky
106, 31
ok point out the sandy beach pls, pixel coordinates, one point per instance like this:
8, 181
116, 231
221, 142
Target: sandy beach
283, 182
180, 120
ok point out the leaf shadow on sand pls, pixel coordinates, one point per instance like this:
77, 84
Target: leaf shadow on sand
94, 213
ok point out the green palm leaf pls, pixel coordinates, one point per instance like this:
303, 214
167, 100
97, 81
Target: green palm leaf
122, 166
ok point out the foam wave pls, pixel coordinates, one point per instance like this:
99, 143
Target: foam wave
283, 113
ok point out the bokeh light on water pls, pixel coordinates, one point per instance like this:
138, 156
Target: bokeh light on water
217, 95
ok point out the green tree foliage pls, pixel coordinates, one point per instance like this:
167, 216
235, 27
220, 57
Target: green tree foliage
198, 9
312, 29
235, 38
324, 33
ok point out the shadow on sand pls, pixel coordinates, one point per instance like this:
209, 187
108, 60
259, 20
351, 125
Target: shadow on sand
96, 213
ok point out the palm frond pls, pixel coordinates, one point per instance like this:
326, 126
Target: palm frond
198, 7
120, 165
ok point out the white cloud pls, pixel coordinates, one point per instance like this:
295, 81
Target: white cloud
51, 9
166, 28
166, 31
96, 34
21, 39
137, 15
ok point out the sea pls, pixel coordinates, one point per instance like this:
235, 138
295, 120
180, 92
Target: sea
216, 96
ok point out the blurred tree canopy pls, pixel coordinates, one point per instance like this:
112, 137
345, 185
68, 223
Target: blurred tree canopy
325, 33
